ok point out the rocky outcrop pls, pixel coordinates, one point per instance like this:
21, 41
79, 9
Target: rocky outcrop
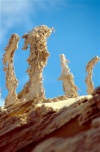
25, 125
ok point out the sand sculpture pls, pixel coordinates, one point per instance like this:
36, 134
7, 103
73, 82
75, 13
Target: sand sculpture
66, 122
69, 87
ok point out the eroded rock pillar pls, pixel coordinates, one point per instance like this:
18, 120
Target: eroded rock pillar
11, 81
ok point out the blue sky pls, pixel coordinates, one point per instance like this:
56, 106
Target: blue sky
77, 26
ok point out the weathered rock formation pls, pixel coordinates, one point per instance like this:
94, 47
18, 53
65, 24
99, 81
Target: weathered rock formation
64, 123
69, 87
37, 61
89, 68
11, 81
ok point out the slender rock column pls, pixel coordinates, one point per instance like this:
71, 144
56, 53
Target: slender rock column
89, 68
37, 61
11, 81
69, 87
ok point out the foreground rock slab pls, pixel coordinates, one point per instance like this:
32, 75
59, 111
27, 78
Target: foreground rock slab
87, 141
24, 125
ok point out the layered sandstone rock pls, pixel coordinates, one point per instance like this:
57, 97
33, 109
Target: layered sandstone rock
25, 125
87, 141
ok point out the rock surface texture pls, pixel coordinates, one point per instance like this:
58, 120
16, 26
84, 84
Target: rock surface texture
88, 141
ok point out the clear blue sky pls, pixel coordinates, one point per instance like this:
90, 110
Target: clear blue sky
77, 25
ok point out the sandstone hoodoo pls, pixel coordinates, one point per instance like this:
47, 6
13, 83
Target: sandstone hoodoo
69, 87
11, 81
37, 61
89, 68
